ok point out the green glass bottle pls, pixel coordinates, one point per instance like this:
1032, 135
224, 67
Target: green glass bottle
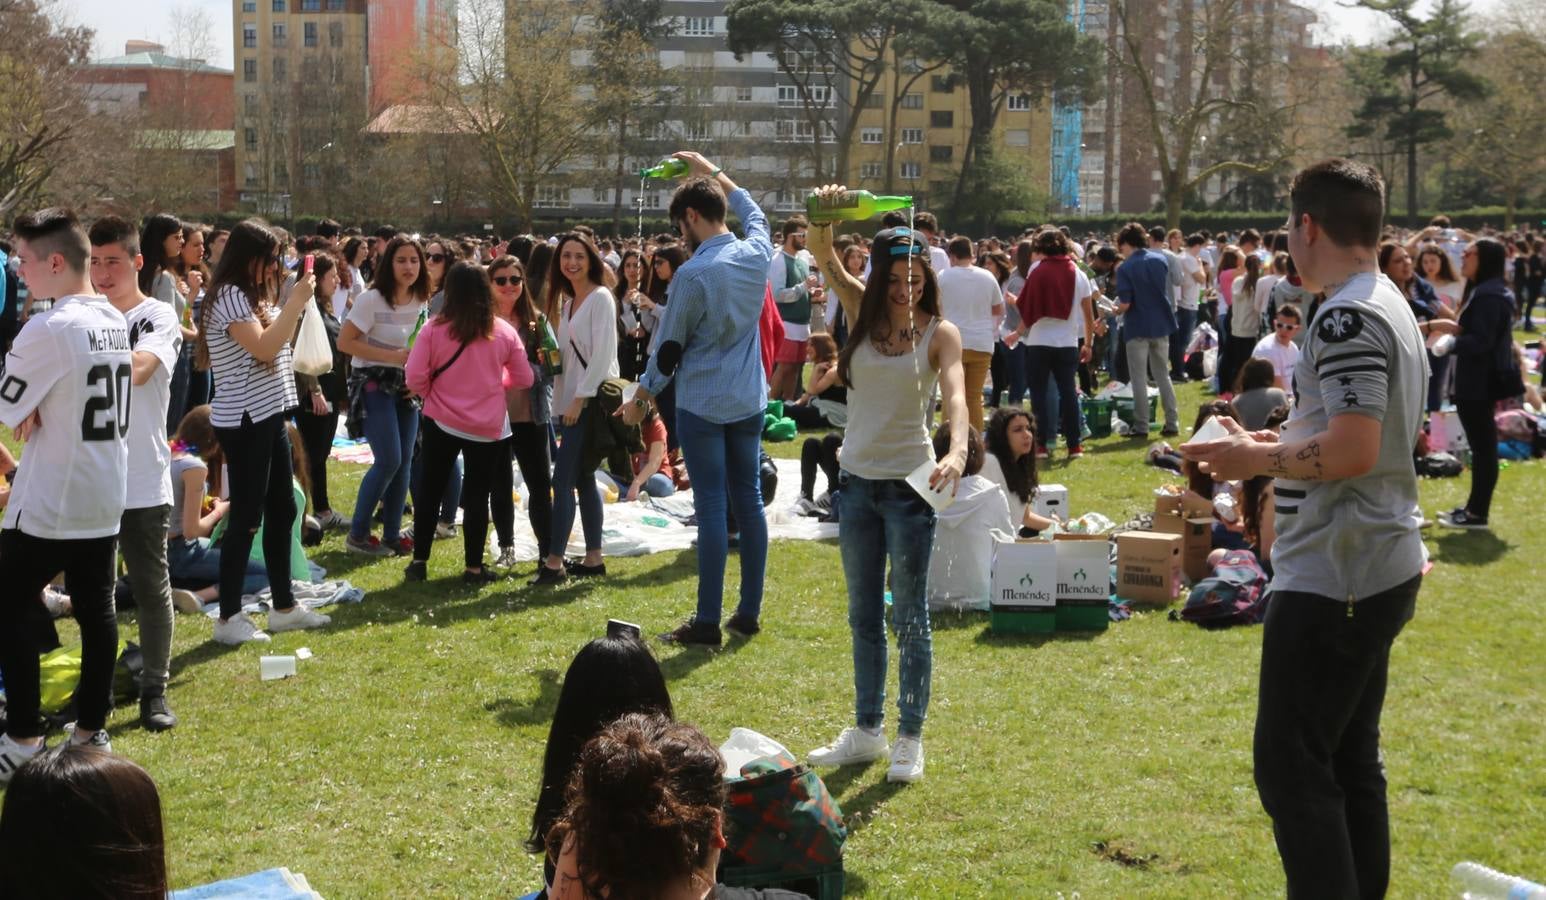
418, 326
548, 355
666, 169
852, 206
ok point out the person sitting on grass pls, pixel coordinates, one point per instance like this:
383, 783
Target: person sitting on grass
825, 401
651, 475
1256, 394
1010, 463
80, 822
818, 453
1201, 488
960, 568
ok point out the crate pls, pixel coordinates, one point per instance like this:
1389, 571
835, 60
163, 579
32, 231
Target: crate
1124, 407
1083, 615
1097, 415
1022, 619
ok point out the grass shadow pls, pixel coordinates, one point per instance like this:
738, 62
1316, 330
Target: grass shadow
513, 713
1470, 548
691, 658
203, 653
860, 809
991, 638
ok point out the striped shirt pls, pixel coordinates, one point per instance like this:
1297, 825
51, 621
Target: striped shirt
243, 385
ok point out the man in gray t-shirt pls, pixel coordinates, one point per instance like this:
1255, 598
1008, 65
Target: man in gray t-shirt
1348, 557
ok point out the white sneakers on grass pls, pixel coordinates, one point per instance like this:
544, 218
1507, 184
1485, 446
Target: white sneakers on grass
855, 746
12, 755
98, 739
295, 618
239, 629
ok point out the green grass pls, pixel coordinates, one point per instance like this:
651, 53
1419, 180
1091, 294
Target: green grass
403, 760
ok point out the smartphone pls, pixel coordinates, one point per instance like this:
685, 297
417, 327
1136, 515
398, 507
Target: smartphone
309, 262
617, 628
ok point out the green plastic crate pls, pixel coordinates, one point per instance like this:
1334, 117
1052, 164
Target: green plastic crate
1124, 407
1082, 615
1097, 415
1022, 619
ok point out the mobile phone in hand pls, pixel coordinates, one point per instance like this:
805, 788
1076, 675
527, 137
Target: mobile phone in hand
617, 628
309, 262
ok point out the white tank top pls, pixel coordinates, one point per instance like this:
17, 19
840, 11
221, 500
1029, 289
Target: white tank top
889, 408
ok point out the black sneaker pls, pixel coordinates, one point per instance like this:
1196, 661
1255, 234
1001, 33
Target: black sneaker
1464, 520
155, 715
482, 576
546, 576
1169, 431
691, 633
415, 571
578, 569
742, 626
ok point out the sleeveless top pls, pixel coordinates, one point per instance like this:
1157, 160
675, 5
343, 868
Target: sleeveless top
888, 410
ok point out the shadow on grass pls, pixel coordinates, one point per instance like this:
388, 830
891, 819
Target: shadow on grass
1470, 548
860, 808
514, 713
691, 658
203, 653
990, 638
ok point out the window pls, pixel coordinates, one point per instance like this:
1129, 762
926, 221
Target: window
942, 118
249, 5
743, 95
279, 5
601, 195
250, 104
311, 5
281, 173
250, 173
550, 197
697, 132
309, 36
912, 171
279, 34
820, 95
871, 170
249, 70
698, 26
335, 5
1019, 102
335, 34
794, 130
874, 101
648, 200
249, 35
912, 135
941, 153
871, 135
311, 173
698, 60
280, 72
252, 139
942, 84
912, 101
789, 200
311, 70
1017, 137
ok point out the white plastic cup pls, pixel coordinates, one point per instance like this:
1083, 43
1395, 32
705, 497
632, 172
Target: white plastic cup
919, 479
1211, 430
273, 668
630, 391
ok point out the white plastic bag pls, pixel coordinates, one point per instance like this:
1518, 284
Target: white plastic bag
744, 746
313, 356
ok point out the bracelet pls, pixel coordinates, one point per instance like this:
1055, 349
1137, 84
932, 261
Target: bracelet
716, 173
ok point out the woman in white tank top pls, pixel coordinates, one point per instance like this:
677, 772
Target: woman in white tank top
897, 349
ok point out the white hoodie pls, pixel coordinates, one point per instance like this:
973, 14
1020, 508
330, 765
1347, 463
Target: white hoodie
961, 566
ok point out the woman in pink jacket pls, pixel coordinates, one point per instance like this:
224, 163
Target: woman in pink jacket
461, 364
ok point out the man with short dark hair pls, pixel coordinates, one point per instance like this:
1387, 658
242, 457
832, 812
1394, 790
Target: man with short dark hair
794, 290
927, 225
1348, 559
711, 345
970, 299
1279, 348
66, 393
1148, 320
328, 231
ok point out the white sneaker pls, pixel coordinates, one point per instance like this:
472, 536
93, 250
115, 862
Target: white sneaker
906, 761
445, 529
57, 602
854, 745
294, 618
506, 559
98, 740
186, 601
239, 629
12, 755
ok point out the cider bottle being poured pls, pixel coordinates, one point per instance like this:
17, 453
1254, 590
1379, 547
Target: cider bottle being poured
851, 206
666, 169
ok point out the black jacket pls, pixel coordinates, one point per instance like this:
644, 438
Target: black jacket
1486, 340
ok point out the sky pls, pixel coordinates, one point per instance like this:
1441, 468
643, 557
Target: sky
117, 21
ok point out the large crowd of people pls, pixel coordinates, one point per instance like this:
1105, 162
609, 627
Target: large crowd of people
151, 373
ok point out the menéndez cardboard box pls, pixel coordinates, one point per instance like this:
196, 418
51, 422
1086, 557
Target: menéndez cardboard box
1024, 587
1084, 582
1051, 501
1196, 542
1148, 566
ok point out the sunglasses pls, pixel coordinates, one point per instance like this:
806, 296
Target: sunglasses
436, 257
503, 280
1288, 326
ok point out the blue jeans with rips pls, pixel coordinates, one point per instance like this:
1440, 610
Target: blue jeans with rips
881, 520
722, 461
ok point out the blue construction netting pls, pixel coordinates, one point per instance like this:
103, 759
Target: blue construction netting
1067, 135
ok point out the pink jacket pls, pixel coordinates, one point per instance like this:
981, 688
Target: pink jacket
469, 396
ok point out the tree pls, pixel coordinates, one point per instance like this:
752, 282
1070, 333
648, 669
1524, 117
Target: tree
44, 107
632, 90
1424, 62
1502, 141
1003, 47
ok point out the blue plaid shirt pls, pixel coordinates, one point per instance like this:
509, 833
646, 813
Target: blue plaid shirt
712, 309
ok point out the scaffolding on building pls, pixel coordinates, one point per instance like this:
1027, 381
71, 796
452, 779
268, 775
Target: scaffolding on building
1068, 134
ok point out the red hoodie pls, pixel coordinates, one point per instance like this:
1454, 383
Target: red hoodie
1048, 291
770, 328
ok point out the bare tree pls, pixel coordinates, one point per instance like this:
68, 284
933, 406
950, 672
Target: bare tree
44, 107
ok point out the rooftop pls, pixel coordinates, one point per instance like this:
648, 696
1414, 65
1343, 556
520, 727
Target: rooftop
154, 60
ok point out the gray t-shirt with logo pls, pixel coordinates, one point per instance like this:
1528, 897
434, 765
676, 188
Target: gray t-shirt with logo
1355, 537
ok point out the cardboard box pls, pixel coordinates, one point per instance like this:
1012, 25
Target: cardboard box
1051, 501
1024, 575
1084, 568
1180, 506
1196, 542
1148, 566
1021, 620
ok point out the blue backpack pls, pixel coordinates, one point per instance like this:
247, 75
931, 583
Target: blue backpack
1234, 594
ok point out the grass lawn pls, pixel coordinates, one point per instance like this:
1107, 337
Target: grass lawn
403, 761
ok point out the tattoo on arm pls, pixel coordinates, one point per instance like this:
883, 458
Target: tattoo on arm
1311, 451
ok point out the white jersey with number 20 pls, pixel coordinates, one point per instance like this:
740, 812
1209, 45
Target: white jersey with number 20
72, 366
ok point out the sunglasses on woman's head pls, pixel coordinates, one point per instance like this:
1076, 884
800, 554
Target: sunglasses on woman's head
503, 280
437, 257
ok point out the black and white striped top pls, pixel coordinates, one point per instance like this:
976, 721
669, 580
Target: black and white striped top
242, 383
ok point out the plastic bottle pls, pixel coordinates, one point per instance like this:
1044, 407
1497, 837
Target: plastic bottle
666, 169
852, 206
1474, 881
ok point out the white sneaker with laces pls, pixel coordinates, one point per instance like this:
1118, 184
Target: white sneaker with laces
186, 601
98, 740
506, 558
445, 530
805, 506
906, 761
296, 617
854, 745
57, 602
12, 754
239, 629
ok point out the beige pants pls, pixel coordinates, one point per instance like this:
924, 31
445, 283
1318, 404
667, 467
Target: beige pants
975, 365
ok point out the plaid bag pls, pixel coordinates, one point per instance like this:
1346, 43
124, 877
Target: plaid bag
778, 814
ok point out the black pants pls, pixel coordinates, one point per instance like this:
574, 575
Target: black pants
257, 458
1481, 432
317, 439
485, 479
1234, 354
529, 445
1060, 363
806, 417
1318, 770
819, 453
28, 563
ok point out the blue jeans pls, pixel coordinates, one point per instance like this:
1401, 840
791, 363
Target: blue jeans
390, 425
723, 463
658, 485
1014, 364
568, 481
1052, 371
1180, 339
880, 520
195, 564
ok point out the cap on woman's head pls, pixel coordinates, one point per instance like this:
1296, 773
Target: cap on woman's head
899, 241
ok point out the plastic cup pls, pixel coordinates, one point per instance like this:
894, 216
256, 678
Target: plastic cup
1211, 430
273, 668
630, 392
919, 479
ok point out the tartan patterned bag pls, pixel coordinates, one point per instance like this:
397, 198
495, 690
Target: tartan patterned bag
778, 813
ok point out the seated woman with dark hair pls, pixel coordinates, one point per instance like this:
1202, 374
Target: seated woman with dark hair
825, 401
79, 822
1255, 395
961, 566
645, 817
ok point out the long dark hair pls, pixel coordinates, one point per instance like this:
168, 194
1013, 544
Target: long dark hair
80, 822
537, 277
609, 677
872, 318
623, 286
1019, 475
1252, 275
1491, 262
384, 281
469, 306
153, 235
655, 286
1251, 489
251, 242
559, 286
323, 263
1199, 481
197, 433
1446, 268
